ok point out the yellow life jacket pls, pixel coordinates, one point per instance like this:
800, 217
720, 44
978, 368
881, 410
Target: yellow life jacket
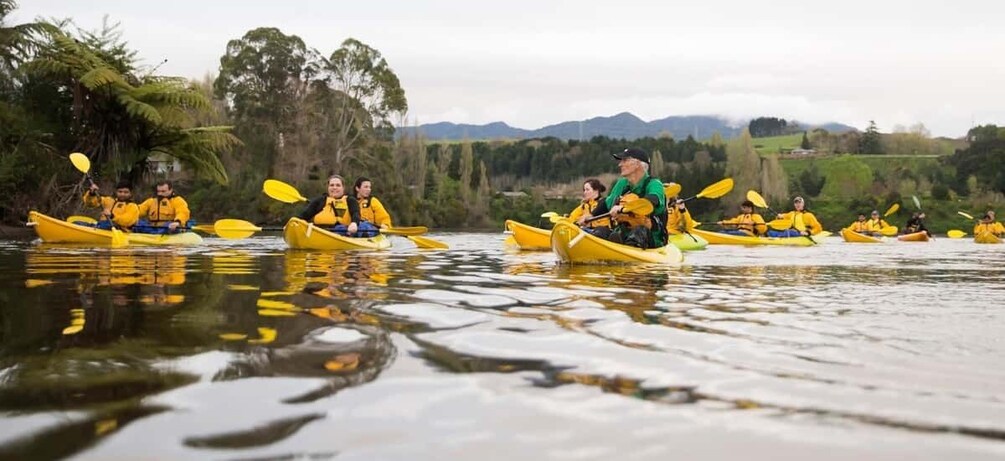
371, 210
631, 219
335, 212
860, 226
160, 210
588, 207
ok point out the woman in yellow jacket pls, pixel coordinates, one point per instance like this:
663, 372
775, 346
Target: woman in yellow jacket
592, 190
678, 217
988, 225
803, 221
371, 211
746, 223
166, 211
119, 211
334, 210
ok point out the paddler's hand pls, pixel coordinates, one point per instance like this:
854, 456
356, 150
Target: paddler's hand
615, 210
94, 189
352, 228
582, 219
173, 226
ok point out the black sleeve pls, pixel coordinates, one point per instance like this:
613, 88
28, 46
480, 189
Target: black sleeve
655, 201
601, 207
353, 205
313, 208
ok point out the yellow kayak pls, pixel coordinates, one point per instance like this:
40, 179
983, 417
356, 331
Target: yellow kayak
572, 245
53, 230
300, 234
987, 237
855, 237
685, 242
718, 238
528, 237
915, 237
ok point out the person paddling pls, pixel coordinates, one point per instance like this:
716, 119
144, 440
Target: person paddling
678, 217
372, 213
861, 226
645, 231
592, 190
334, 210
987, 225
119, 211
803, 221
877, 223
746, 223
916, 224
165, 213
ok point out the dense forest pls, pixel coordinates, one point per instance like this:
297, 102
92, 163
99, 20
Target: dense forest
280, 108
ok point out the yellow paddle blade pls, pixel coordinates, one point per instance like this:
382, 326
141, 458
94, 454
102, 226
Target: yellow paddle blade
207, 228
414, 230
119, 238
234, 228
893, 209
917, 202
956, 233
779, 224
717, 190
83, 219
671, 189
889, 231
638, 206
426, 242
756, 199
281, 191
80, 162
965, 215
548, 214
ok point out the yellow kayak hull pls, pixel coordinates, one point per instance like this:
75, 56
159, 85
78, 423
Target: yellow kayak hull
685, 242
987, 237
572, 245
915, 237
718, 238
528, 237
53, 230
851, 236
300, 234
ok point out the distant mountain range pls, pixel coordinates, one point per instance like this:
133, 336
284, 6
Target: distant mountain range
623, 125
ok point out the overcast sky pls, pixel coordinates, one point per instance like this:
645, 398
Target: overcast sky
534, 63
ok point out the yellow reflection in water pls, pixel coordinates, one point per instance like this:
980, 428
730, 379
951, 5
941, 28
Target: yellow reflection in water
337, 274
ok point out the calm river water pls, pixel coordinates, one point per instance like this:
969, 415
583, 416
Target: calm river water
247, 350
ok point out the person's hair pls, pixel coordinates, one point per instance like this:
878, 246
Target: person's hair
164, 182
335, 176
124, 184
596, 185
360, 181
986, 216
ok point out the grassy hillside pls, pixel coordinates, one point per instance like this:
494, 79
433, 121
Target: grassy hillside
774, 144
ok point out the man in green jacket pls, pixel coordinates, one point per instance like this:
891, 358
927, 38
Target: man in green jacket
643, 231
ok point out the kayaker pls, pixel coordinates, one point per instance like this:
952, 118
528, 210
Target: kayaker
334, 210
861, 226
746, 223
592, 193
999, 228
679, 219
803, 221
165, 212
647, 231
987, 224
916, 224
372, 213
119, 211
877, 223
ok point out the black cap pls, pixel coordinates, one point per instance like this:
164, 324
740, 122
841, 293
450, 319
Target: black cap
632, 153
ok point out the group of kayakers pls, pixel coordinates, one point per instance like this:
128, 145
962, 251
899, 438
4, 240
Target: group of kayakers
361, 215
163, 213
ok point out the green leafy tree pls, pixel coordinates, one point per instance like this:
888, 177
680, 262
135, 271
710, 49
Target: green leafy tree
805, 144
870, 142
743, 164
811, 181
848, 177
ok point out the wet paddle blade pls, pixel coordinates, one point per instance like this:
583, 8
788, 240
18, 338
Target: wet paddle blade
548, 214
282, 192
717, 190
426, 242
234, 228
965, 215
756, 199
917, 202
893, 209
80, 162
119, 238
956, 233
671, 189
780, 224
639, 206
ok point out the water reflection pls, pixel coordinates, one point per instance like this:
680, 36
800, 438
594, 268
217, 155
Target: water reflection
249, 350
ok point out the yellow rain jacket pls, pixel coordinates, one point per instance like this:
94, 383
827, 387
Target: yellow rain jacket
804, 220
370, 209
335, 211
876, 225
124, 214
994, 228
677, 221
161, 211
752, 224
860, 227
588, 207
